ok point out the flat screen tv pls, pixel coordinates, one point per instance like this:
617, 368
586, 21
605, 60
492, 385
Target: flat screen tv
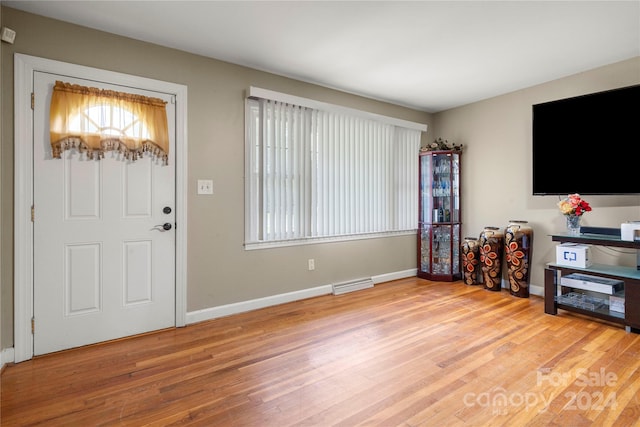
588, 144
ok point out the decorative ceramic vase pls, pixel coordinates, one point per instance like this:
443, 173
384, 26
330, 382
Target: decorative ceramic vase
491, 247
518, 242
573, 224
470, 260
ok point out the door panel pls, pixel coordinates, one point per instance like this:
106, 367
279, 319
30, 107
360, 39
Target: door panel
82, 189
103, 268
136, 195
82, 284
138, 265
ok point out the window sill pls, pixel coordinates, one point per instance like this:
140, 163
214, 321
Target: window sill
318, 240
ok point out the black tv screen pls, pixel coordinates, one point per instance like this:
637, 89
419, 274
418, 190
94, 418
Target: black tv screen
588, 144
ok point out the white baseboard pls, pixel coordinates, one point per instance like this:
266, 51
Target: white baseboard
536, 290
394, 276
243, 306
7, 355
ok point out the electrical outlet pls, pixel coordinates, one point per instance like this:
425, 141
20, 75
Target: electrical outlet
205, 186
312, 264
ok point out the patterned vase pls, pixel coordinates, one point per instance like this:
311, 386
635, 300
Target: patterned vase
470, 260
518, 242
491, 247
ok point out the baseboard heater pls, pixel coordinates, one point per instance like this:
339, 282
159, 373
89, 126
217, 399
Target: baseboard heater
351, 286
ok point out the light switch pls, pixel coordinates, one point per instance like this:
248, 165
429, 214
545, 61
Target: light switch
205, 186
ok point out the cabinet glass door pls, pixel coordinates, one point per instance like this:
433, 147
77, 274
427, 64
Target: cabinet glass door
440, 251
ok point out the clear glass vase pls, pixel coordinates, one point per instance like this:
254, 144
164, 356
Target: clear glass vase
573, 225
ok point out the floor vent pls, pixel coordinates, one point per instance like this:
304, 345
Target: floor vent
354, 285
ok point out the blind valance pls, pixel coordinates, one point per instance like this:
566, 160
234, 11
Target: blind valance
94, 120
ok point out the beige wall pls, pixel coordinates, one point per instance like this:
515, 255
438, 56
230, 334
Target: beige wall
220, 271
496, 170
496, 166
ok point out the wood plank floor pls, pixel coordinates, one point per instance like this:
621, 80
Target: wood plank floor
404, 353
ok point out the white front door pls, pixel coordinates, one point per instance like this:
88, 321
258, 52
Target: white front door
104, 265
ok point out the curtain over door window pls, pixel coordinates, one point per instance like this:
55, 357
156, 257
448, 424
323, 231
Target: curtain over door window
94, 120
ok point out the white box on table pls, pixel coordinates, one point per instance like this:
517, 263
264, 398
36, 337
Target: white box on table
573, 255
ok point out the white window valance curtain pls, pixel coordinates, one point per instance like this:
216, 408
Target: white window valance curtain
315, 174
94, 121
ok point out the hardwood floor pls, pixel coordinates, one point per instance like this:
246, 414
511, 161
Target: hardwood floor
404, 353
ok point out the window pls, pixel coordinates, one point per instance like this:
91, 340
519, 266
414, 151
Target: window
319, 172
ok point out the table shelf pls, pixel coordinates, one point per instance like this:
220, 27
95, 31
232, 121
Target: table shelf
553, 288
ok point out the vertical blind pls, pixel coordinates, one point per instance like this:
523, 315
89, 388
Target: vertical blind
317, 174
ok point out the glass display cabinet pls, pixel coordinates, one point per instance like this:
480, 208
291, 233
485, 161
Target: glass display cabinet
439, 216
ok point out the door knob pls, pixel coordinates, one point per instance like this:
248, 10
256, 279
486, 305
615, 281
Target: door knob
163, 227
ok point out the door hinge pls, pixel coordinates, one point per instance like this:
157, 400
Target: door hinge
33, 325
33, 100
33, 213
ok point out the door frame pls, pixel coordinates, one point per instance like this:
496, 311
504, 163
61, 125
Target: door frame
24, 67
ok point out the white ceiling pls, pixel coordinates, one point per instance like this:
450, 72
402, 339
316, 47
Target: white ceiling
428, 55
